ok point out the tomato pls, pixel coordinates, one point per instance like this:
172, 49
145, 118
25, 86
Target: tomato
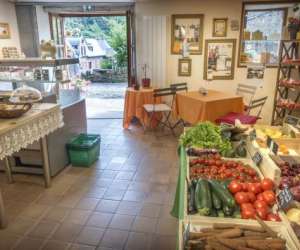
241, 197
248, 213
251, 196
262, 213
260, 204
267, 184
235, 186
244, 187
246, 206
273, 217
269, 197
254, 188
260, 197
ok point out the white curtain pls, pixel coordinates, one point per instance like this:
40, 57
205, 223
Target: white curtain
154, 49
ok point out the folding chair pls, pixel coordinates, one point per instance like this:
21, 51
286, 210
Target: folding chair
177, 87
245, 118
163, 109
247, 92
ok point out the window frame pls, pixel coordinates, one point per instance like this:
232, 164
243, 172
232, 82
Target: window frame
240, 64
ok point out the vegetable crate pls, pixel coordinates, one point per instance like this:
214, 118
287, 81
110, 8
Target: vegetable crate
84, 150
187, 226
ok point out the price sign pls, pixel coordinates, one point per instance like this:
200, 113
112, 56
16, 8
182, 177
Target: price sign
275, 148
284, 198
252, 135
292, 120
257, 158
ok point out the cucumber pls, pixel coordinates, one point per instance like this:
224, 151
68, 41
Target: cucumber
220, 213
191, 199
213, 213
228, 211
203, 200
222, 193
217, 203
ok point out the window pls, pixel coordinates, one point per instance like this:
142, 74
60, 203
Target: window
261, 35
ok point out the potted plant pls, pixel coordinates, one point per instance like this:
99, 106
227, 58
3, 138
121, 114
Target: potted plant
293, 27
145, 81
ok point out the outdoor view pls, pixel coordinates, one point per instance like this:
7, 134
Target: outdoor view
101, 45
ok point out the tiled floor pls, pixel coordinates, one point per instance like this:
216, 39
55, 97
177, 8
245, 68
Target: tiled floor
122, 202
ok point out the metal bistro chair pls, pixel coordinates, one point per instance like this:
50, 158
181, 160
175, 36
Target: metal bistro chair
245, 118
162, 110
247, 92
177, 87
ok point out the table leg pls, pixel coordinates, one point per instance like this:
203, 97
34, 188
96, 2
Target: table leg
8, 170
3, 219
44, 147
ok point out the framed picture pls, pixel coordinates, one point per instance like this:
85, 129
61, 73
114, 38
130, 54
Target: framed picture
219, 59
4, 31
220, 27
187, 29
184, 67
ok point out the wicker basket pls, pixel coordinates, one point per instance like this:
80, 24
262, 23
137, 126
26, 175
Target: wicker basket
9, 111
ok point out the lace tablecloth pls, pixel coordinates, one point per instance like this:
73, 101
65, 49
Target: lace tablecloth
18, 133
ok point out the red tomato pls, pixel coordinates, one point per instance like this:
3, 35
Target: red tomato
252, 187
273, 217
267, 184
262, 213
235, 186
260, 204
260, 197
245, 206
269, 197
241, 197
251, 196
244, 187
251, 172
248, 213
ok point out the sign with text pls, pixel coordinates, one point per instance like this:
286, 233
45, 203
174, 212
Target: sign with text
257, 158
284, 198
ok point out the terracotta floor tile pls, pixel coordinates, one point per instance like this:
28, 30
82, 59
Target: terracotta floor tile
137, 196
82, 247
35, 211
115, 239
138, 241
78, 216
122, 222
43, 229
129, 207
109, 206
90, 236
29, 244
167, 227
122, 175
57, 214
67, 232
87, 203
150, 210
8, 241
121, 184
99, 219
114, 194
21, 226
144, 225
163, 243
56, 245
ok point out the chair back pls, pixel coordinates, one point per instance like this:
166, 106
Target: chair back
257, 103
246, 91
163, 92
179, 86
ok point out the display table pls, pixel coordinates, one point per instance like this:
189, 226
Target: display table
194, 107
18, 133
133, 107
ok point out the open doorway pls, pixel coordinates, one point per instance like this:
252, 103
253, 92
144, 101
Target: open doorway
101, 44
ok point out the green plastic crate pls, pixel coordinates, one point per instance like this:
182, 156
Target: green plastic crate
84, 150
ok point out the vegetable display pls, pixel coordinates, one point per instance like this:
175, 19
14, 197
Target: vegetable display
255, 199
237, 237
206, 135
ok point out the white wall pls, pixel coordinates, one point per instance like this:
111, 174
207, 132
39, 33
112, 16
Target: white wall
8, 15
43, 24
211, 9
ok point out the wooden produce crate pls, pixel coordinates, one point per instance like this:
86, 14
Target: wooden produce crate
195, 225
290, 230
293, 144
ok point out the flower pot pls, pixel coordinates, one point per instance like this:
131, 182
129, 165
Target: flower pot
146, 82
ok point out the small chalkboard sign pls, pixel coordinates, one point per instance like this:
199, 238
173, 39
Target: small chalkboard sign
275, 148
292, 120
284, 198
257, 158
252, 135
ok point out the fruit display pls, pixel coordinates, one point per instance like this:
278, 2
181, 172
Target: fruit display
289, 83
255, 199
206, 135
263, 132
211, 198
224, 236
287, 104
212, 166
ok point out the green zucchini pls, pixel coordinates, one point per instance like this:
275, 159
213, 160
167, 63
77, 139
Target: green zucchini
220, 213
191, 199
228, 211
222, 193
217, 203
203, 200
213, 213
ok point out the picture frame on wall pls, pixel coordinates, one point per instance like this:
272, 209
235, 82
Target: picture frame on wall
220, 27
187, 29
184, 67
4, 31
219, 59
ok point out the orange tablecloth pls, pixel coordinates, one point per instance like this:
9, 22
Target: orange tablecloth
133, 107
193, 107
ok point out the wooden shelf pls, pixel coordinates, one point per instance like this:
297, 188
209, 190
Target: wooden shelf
38, 62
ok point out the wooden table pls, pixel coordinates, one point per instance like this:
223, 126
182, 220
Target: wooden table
18, 133
194, 107
133, 107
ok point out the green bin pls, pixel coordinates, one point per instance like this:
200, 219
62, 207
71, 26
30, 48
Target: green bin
84, 150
